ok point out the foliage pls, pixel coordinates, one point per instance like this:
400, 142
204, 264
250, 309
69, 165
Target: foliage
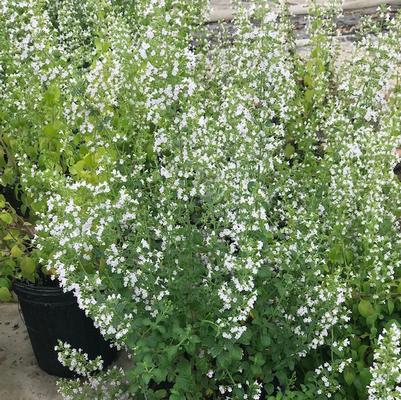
32, 118
59, 88
17, 258
227, 214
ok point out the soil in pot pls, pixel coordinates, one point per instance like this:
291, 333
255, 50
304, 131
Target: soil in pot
49, 315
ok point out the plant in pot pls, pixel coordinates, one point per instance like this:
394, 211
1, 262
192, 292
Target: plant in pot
48, 313
65, 118
38, 134
259, 250
230, 217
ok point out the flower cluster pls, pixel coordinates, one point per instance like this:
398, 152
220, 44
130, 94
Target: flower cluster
327, 377
386, 375
76, 360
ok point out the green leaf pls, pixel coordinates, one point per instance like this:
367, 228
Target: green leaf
28, 266
308, 80
371, 321
6, 217
161, 394
184, 379
52, 95
390, 306
146, 377
2, 160
365, 376
101, 47
8, 176
259, 359
7, 267
309, 94
37, 206
159, 375
289, 150
5, 294
171, 352
349, 375
315, 52
265, 340
16, 251
336, 254
236, 353
5, 282
2, 201
53, 128
365, 308
362, 350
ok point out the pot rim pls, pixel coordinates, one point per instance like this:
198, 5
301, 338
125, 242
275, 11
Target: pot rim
38, 293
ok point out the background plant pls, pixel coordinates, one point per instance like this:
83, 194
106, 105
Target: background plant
66, 68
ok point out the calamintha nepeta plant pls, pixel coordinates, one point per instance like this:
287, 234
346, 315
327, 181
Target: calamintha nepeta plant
59, 88
228, 213
386, 377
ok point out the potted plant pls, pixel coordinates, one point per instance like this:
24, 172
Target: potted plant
258, 248
228, 215
48, 313
62, 98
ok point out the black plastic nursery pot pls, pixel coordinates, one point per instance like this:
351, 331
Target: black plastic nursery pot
50, 314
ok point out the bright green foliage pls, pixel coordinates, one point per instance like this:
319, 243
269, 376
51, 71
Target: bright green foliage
17, 260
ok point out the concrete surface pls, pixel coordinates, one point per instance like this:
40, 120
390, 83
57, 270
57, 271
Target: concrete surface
20, 376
